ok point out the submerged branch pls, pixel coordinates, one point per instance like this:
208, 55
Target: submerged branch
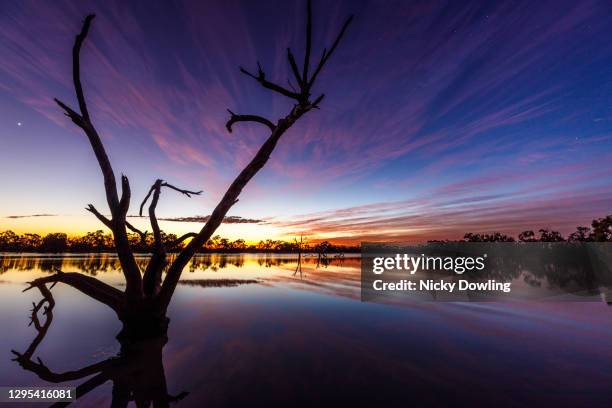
92, 287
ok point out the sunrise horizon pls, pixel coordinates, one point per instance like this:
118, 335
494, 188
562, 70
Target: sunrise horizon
451, 143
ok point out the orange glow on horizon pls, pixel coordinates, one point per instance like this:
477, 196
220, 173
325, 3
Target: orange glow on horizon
80, 225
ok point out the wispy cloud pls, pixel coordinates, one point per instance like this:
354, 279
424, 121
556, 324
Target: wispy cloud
230, 219
30, 216
452, 215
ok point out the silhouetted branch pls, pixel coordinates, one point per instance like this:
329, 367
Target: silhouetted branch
326, 55
144, 201
76, 118
183, 238
261, 78
92, 287
101, 217
155, 190
153, 272
152, 275
294, 68
263, 154
162, 183
188, 193
76, 76
247, 118
117, 208
315, 104
143, 234
126, 193
152, 217
308, 42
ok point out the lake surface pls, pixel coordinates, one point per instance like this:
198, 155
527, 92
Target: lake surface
304, 338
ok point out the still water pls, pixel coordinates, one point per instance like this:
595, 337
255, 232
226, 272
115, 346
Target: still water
303, 338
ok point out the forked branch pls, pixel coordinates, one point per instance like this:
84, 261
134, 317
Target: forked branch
155, 191
304, 82
261, 78
153, 272
158, 185
118, 207
230, 197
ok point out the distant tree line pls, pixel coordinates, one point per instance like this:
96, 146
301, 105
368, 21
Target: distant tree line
99, 241
599, 231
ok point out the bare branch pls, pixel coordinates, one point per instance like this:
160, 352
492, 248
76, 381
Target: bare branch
315, 104
263, 154
76, 118
83, 119
326, 55
118, 209
188, 193
308, 42
228, 200
294, 68
101, 217
153, 218
143, 234
126, 193
156, 191
261, 78
247, 118
182, 238
145, 199
152, 274
76, 71
92, 287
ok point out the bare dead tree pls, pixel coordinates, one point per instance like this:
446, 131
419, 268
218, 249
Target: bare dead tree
142, 306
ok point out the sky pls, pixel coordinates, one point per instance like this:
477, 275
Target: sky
440, 117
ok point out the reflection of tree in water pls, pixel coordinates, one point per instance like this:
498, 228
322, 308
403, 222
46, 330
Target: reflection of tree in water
215, 262
95, 264
137, 372
18, 263
90, 264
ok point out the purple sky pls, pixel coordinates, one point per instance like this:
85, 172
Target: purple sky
439, 117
